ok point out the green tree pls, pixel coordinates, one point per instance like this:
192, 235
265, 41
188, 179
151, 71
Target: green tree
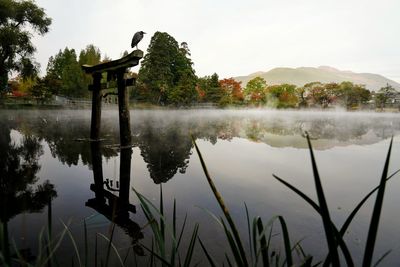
66, 70
301, 94
166, 71
210, 89
384, 95
18, 21
319, 95
283, 95
41, 90
91, 55
352, 95
255, 91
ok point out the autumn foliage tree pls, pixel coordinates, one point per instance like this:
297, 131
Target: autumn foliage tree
255, 91
319, 95
282, 95
232, 91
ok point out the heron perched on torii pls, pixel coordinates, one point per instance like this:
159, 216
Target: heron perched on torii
137, 38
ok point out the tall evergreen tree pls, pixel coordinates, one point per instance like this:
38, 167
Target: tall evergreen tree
166, 75
65, 68
91, 55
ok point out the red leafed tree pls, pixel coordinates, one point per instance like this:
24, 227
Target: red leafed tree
232, 89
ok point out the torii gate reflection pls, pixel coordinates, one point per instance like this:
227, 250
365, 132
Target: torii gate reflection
115, 208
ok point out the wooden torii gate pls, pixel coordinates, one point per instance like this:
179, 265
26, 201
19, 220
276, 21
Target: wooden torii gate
115, 70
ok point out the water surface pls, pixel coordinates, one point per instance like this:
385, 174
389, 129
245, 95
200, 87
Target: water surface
45, 155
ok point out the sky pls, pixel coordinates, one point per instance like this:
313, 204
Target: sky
234, 38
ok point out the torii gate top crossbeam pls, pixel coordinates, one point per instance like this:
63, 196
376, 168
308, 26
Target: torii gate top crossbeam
128, 61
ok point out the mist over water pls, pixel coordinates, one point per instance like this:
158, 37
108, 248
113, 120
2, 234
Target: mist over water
242, 148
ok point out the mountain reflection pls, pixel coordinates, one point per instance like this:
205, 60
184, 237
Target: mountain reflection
163, 137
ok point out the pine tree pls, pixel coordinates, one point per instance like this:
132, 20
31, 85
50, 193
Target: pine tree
166, 75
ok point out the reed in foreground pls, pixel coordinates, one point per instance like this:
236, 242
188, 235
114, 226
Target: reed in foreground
334, 236
259, 251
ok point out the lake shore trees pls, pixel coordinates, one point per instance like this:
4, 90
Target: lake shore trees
167, 78
19, 20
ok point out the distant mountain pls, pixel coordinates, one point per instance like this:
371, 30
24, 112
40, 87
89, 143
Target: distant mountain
324, 74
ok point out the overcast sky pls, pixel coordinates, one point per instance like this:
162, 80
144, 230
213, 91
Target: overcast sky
236, 37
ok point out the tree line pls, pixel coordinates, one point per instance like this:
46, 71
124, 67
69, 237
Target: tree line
166, 75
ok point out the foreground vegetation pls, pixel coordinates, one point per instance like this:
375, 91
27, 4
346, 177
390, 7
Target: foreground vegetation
258, 249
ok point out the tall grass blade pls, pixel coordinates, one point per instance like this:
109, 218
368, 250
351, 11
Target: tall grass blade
299, 249
249, 233
228, 261
358, 207
109, 244
55, 247
162, 225
222, 205
146, 204
212, 215
192, 243
151, 253
376, 213
286, 242
20, 258
351, 216
73, 243
232, 245
255, 247
86, 243
173, 247
40, 246
49, 229
163, 261
95, 252
174, 219
211, 261
326, 218
181, 233
307, 262
382, 257
127, 254
263, 242
340, 241
113, 247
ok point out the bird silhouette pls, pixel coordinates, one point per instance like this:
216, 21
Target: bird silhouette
137, 37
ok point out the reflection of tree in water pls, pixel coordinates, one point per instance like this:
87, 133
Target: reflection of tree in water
61, 134
62, 140
164, 137
18, 169
165, 150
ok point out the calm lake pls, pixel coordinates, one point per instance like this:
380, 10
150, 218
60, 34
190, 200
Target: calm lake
46, 153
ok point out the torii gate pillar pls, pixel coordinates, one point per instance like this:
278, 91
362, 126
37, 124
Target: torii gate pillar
115, 69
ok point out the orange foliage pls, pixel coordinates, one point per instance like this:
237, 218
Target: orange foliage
232, 88
201, 93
